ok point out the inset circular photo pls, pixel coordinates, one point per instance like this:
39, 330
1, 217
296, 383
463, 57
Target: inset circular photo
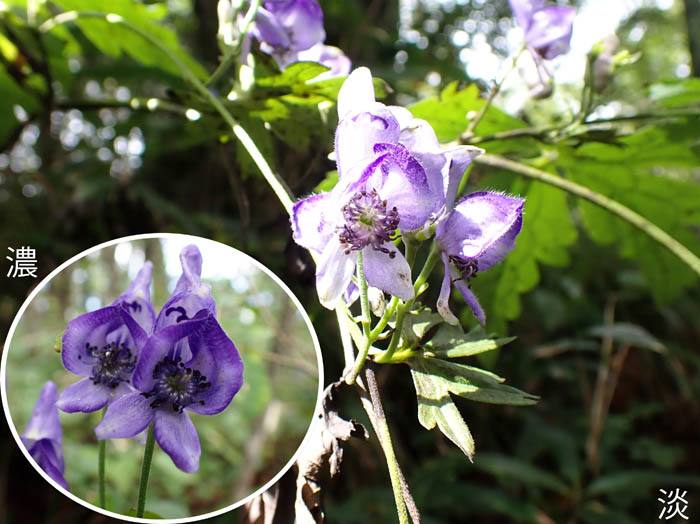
161, 377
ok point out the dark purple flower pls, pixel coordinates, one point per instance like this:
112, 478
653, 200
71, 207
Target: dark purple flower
42, 437
188, 364
392, 175
547, 28
104, 345
475, 236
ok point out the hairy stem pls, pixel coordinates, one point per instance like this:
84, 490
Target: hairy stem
610, 205
366, 320
145, 471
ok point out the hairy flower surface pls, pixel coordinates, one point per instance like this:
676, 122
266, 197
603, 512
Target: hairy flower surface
474, 237
188, 364
104, 346
547, 28
392, 175
42, 437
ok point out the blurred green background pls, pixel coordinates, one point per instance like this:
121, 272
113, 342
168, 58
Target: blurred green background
244, 446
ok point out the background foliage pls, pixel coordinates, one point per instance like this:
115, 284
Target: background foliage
606, 319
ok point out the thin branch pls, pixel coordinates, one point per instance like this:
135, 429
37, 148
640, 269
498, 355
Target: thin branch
610, 205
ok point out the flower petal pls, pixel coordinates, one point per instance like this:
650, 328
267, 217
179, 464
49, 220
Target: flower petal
443, 302
356, 93
49, 455
269, 29
84, 396
549, 32
458, 161
177, 436
480, 221
523, 9
471, 300
310, 230
217, 358
44, 422
390, 274
357, 134
333, 272
191, 262
88, 329
137, 298
125, 417
303, 21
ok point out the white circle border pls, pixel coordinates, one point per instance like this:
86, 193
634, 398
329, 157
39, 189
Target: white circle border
148, 236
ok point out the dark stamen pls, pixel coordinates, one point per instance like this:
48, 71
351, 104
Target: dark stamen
114, 365
368, 222
176, 385
467, 268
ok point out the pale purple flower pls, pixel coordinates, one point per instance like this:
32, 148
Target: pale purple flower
43, 434
392, 175
285, 27
547, 28
329, 56
104, 345
188, 364
474, 237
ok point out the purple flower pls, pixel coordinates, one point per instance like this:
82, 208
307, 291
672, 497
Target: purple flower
475, 236
329, 56
547, 28
285, 27
104, 345
42, 437
188, 364
392, 174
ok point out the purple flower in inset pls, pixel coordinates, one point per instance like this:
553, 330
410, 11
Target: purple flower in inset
104, 345
547, 28
475, 236
188, 364
329, 56
42, 437
392, 175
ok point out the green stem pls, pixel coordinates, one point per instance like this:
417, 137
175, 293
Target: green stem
233, 53
606, 203
274, 181
101, 468
363, 349
386, 317
145, 471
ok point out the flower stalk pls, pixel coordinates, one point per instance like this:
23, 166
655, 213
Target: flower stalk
145, 472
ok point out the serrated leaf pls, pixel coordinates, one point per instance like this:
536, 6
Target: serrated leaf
631, 334
115, 39
636, 175
451, 342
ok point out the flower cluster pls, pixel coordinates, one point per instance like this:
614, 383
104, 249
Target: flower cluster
153, 369
393, 179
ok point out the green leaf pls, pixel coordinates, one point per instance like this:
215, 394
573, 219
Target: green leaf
639, 481
675, 92
435, 379
547, 234
645, 174
435, 407
503, 466
327, 183
452, 342
115, 39
12, 94
631, 334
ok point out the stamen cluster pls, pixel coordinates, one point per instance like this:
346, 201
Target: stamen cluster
176, 385
368, 222
468, 268
115, 363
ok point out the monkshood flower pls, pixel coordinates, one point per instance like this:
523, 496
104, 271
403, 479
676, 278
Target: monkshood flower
104, 346
392, 174
188, 364
329, 56
285, 27
474, 237
547, 28
42, 437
